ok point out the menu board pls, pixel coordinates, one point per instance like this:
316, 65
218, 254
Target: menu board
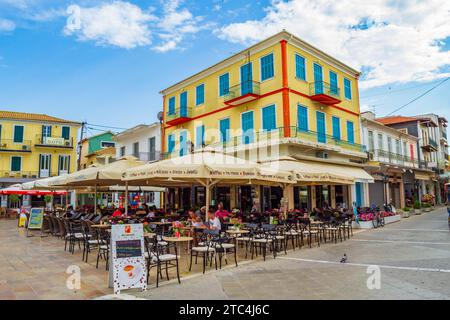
36, 218
129, 269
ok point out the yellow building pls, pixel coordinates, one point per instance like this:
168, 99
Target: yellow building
282, 90
34, 146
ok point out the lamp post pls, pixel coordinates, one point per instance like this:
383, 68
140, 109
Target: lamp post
385, 182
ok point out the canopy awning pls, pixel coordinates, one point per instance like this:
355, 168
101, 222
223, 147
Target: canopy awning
422, 176
17, 189
314, 172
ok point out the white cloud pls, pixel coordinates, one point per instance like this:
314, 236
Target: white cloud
120, 24
175, 24
392, 41
7, 25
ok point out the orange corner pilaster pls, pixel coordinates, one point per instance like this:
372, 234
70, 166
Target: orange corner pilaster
286, 111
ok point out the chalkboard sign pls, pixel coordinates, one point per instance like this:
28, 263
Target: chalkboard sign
128, 248
129, 268
36, 218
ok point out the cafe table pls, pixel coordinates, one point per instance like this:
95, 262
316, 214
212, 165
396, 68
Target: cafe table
101, 226
178, 241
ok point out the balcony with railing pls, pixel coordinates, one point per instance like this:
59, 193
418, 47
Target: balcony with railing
178, 116
311, 138
395, 158
324, 93
430, 145
8, 145
242, 93
53, 142
149, 156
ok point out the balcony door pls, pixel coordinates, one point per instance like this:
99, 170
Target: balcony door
321, 131
183, 105
318, 79
246, 79
247, 127
46, 133
44, 165
63, 164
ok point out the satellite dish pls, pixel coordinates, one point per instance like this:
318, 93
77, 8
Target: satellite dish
160, 116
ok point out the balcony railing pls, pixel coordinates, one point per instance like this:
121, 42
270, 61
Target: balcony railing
324, 93
53, 141
25, 174
10, 145
309, 137
395, 158
149, 156
242, 93
178, 116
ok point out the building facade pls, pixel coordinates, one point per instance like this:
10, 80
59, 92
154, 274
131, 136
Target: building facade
393, 162
97, 149
279, 98
34, 146
431, 151
142, 141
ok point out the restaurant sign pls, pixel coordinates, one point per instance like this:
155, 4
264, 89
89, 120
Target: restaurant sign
36, 220
54, 141
128, 257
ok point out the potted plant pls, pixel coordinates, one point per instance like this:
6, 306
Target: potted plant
48, 199
427, 207
406, 212
417, 207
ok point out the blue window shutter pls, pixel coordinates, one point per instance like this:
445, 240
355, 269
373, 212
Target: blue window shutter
183, 143
183, 104
224, 84
300, 68
18, 134
333, 83
200, 136
302, 118
348, 89
224, 130
269, 118
321, 129
318, 79
336, 128
350, 132
247, 127
172, 105
246, 79
267, 71
171, 144
200, 94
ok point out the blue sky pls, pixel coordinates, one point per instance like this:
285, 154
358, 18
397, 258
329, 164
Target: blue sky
106, 61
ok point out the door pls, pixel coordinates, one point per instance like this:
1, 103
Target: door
246, 79
333, 83
63, 164
247, 127
359, 194
46, 132
152, 149
321, 131
44, 165
224, 130
318, 79
65, 133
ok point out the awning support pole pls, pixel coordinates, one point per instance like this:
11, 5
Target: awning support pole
95, 201
126, 198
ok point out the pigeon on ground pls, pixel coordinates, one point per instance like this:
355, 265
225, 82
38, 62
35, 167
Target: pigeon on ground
344, 258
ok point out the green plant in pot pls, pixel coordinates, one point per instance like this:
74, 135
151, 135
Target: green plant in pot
406, 212
417, 207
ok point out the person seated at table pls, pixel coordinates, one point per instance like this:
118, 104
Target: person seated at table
198, 223
131, 211
192, 217
221, 213
70, 212
144, 210
152, 213
201, 212
118, 213
214, 221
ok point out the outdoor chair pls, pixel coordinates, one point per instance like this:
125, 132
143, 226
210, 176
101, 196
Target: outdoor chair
262, 239
103, 241
62, 229
203, 249
292, 233
333, 231
305, 230
90, 240
160, 257
73, 235
246, 239
45, 225
223, 246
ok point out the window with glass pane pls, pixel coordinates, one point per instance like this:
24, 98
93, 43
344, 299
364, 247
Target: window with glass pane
200, 94
16, 164
267, 71
136, 149
18, 134
46, 131
380, 142
171, 143
224, 84
152, 148
300, 67
397, 146
63, 164
200, 136
371, 142
122, 151
269, 121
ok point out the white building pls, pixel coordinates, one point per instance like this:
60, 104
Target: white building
143, 142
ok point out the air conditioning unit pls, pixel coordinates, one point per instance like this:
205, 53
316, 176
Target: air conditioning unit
67, 143
321, 155
24, 147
